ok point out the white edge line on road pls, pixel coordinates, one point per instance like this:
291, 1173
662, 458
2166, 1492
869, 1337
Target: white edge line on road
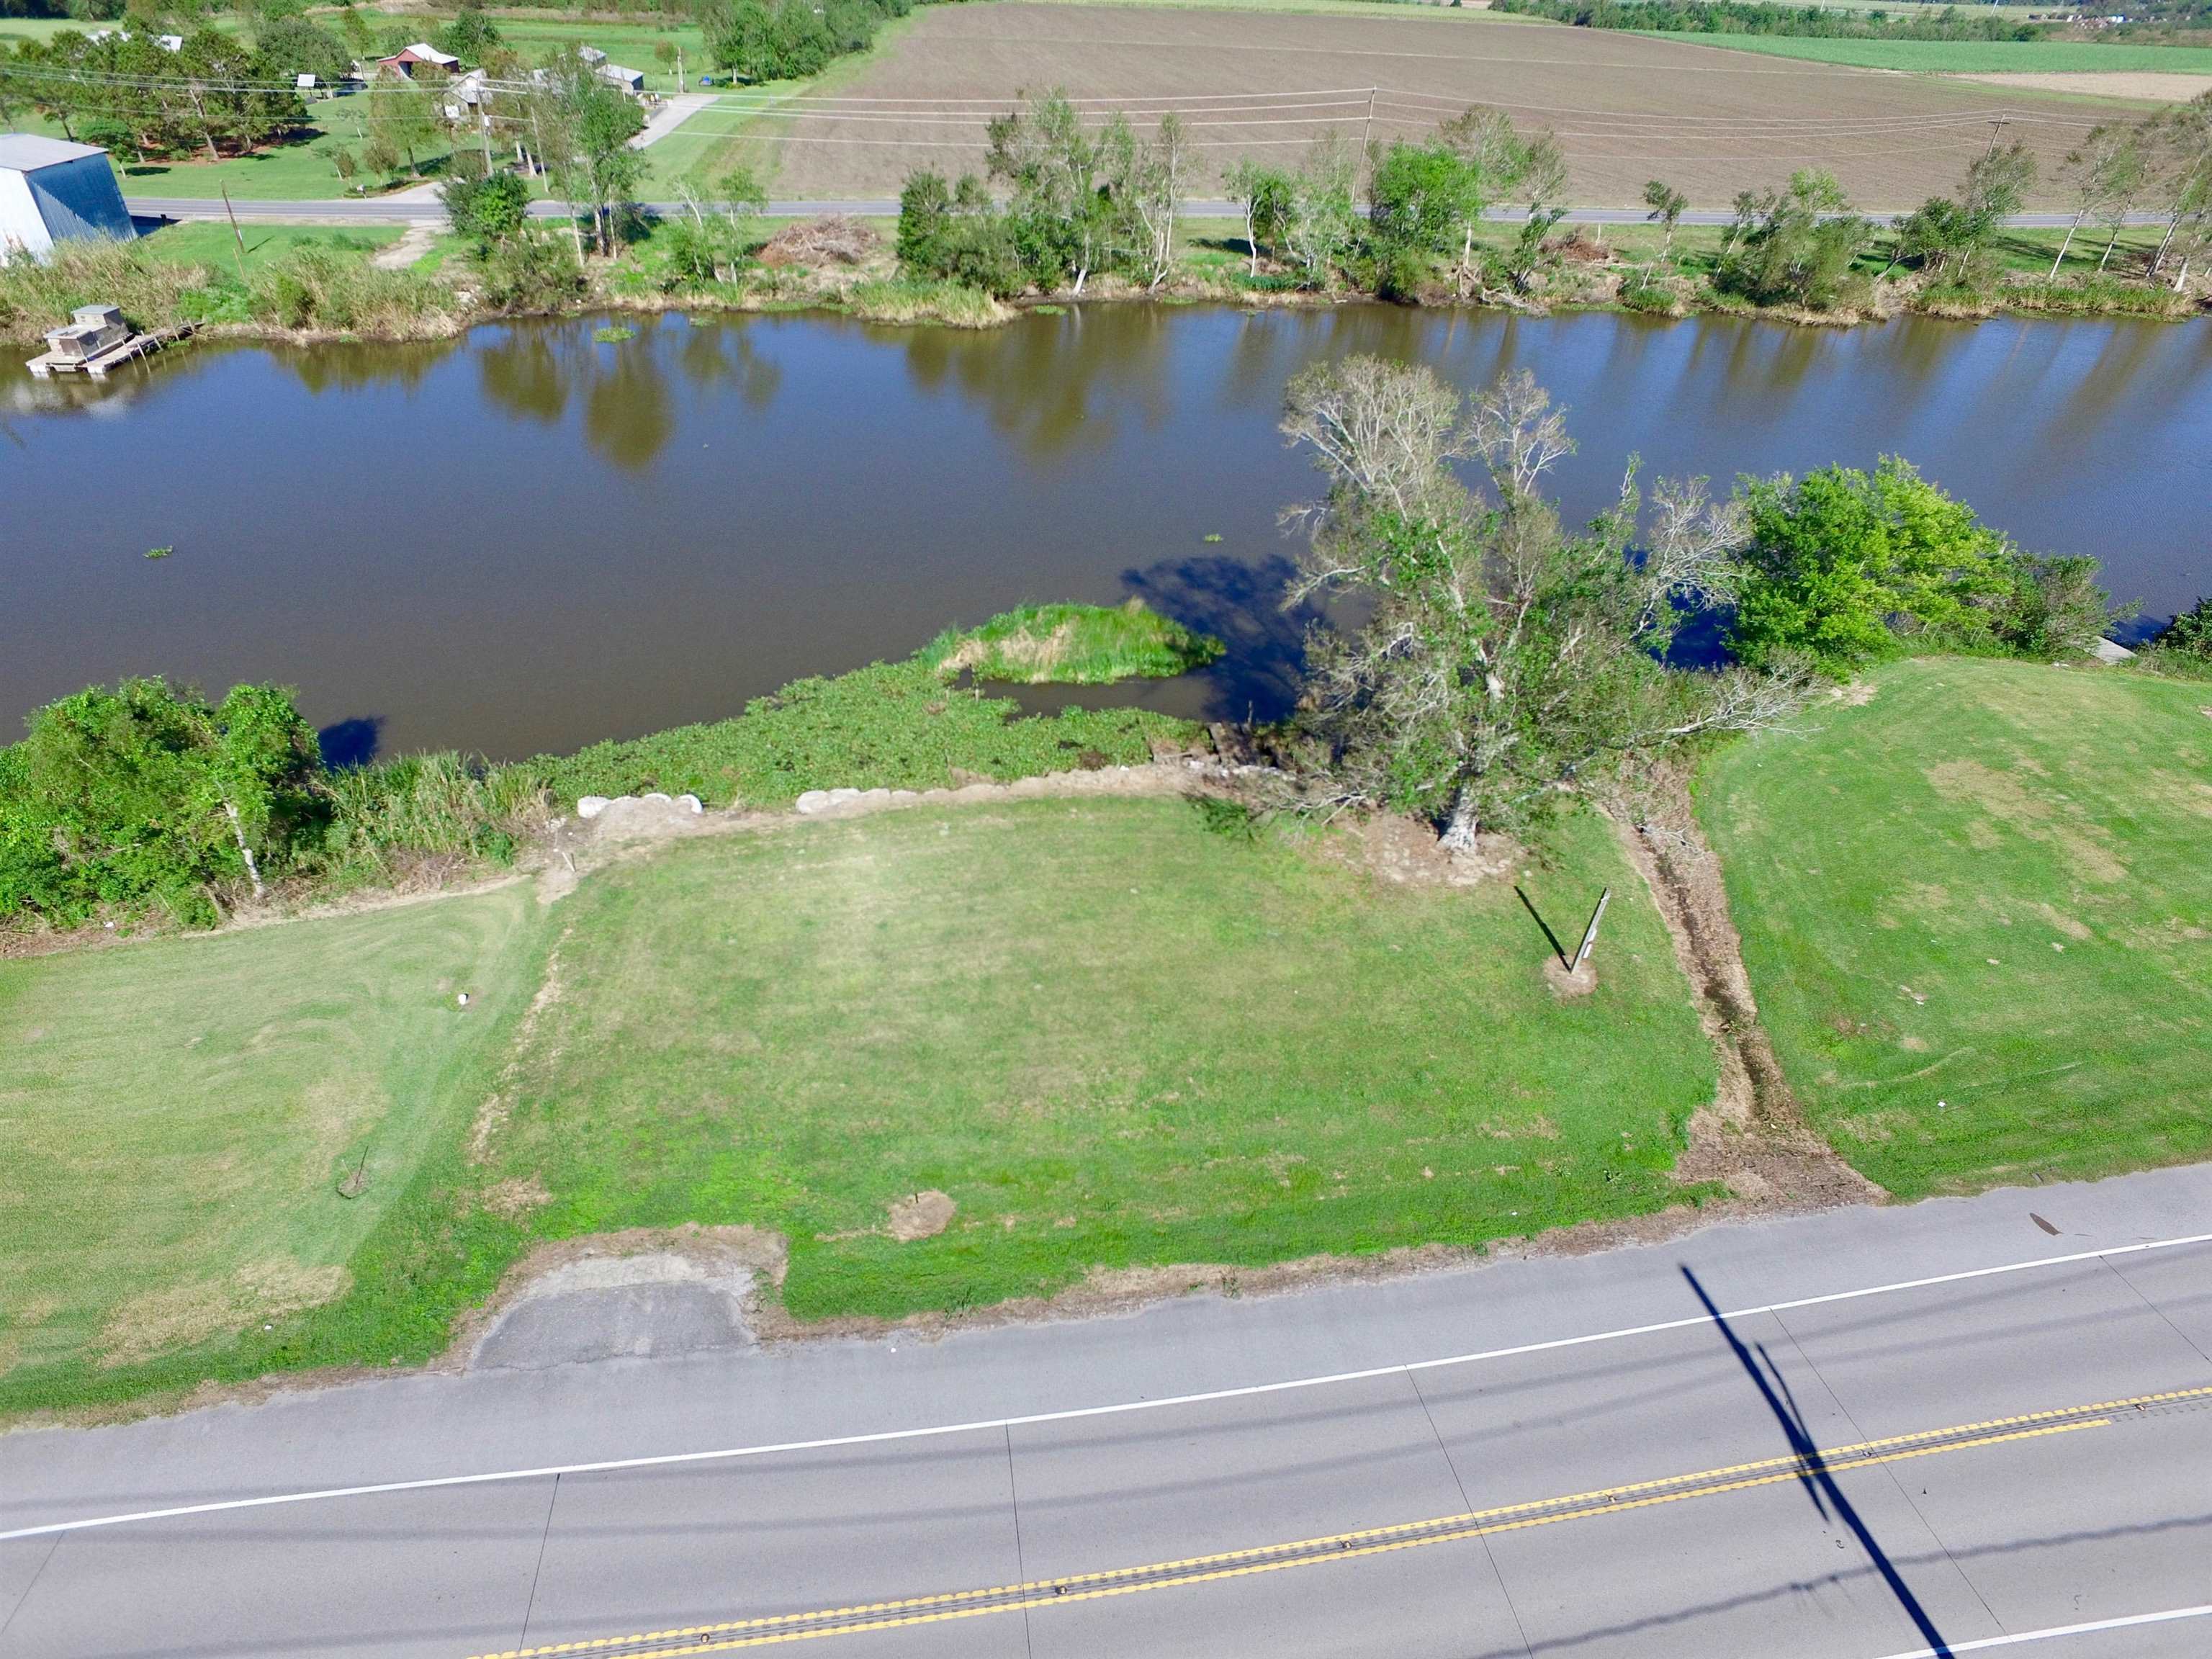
2056, 1632
887, 1436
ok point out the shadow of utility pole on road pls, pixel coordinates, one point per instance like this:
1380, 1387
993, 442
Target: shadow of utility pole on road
1812, 1469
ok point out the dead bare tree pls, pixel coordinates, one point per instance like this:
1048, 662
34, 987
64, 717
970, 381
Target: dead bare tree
1503, 657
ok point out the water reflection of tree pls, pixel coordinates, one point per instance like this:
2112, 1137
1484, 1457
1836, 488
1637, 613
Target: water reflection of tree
1050, 382
356, 367
626, 388
525, 372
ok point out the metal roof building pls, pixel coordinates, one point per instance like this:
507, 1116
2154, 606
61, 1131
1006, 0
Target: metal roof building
52, 192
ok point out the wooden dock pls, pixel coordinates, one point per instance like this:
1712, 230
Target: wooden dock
49, 364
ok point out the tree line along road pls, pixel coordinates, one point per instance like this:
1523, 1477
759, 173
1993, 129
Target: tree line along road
393, 210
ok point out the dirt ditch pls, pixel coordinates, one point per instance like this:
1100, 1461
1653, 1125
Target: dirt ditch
1754, 1138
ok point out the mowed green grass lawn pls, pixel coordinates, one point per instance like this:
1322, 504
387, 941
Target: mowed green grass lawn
1967, 56
176, 1119
1977, 913
1113, 1036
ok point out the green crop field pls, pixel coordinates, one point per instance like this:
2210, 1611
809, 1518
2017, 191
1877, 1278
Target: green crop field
1967, 57
177, 1119
1977, 913
1113, 1035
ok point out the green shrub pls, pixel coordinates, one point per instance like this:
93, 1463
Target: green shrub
147, 797
1843, 565
2190, 633
894, 725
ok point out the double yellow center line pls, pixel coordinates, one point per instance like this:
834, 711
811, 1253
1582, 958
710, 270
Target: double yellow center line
733, 1634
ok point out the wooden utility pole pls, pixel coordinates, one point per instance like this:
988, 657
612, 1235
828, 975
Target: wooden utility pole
1997, 127
1589, 933
1367, 133
238, 239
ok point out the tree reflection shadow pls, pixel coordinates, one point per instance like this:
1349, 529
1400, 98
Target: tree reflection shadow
1241, 604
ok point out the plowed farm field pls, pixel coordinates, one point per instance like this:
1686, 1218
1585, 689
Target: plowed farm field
1626, 108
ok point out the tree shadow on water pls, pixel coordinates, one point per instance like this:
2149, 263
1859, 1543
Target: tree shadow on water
351, 743
1241, 604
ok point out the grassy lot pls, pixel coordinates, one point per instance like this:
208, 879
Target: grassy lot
630, 44
299, 171
206, 243
1114, 1034
176, 1119
1967, 56
1977, 913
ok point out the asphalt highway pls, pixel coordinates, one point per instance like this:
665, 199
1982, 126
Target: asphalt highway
394, 210
1973, 1425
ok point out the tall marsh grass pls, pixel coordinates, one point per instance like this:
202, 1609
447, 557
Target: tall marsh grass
330, 290
153, 292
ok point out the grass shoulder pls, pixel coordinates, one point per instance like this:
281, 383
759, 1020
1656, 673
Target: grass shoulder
1978, 918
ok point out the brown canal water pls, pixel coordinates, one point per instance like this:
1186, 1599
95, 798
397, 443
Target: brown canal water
529, 540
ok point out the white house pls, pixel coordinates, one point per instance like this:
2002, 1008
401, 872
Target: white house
52, 191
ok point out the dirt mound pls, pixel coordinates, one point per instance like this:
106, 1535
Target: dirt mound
921, 1215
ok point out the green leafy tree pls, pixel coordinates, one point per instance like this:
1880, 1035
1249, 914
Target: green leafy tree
403, 118
1422, 199
2190, 633
1794, 246
148, 795
957, 233
1950, 237
471, 34
584, 125
1843, 565
1263, 195
294, 46
1668, 205
1322, 225
2178, 144
1062, 216
490, 210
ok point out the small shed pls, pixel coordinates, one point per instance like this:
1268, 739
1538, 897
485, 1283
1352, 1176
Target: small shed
54, 191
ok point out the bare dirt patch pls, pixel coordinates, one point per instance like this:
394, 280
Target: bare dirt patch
921, 1215
1628, 109
2147, 85
1403, 850
1580, 983
406, 251
516, 1196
